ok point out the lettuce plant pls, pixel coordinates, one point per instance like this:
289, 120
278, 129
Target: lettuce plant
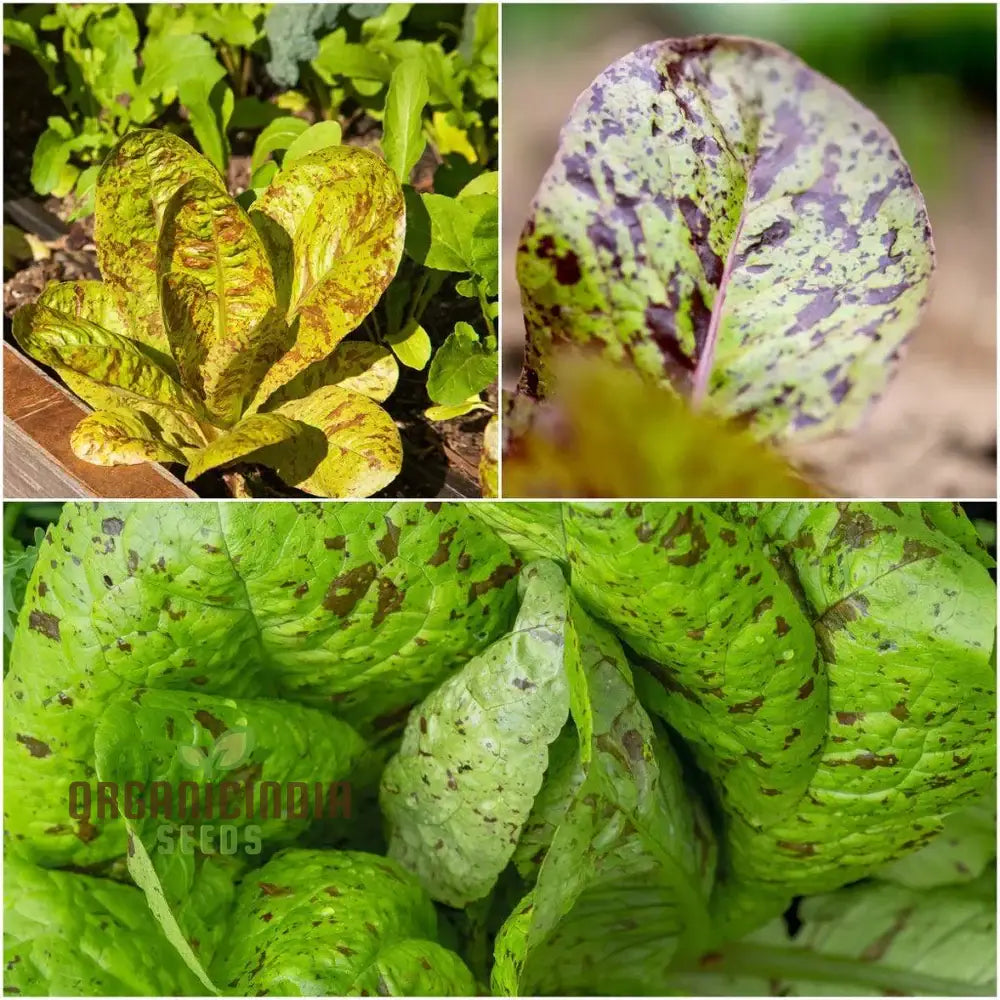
612, 747
736, 228
218, 335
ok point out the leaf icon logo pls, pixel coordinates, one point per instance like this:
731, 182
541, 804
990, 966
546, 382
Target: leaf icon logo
191, 756
232, 749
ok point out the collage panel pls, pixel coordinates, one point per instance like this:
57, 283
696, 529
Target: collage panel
467, 749
750, 250
251, 250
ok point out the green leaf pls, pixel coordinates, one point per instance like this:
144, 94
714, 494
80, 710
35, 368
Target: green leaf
411, 345
402, 127
961, 852
735, 226
218, 298
251, 434
134, 187
316, 137
370, 911
868, 940
200, 596
267, 740
826, 664
57, 926
210, 107
350, 446
620, 837
452, 234
475, 751
333, 224
462, 367
455, 410
49, 161
276, 136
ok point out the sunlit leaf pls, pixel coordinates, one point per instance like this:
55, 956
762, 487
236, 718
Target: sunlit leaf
351, 446
411, 345
138, 179
257, 431
218, 297
121, 437
333, 222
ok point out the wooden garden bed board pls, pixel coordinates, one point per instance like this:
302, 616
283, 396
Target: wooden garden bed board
38, 463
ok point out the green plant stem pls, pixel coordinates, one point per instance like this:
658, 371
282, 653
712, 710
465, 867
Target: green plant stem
484, 306
430, 282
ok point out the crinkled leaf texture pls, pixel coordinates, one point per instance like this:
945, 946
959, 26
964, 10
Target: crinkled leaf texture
67, 934
324, 923
357, 607
735, 226
474, 752
829, 667
233, 323
620, 838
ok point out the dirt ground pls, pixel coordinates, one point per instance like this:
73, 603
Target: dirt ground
933, 434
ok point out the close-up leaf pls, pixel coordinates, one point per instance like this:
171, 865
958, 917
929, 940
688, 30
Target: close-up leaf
737, 228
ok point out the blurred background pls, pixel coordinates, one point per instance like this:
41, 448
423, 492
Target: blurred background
929, 72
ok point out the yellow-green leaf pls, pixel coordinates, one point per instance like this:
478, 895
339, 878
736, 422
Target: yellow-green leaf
136, 182
111, 361
218, 298
257, 431
121, 437
411, 345
453, 410
607, 433
353, 450
333, 223
356, 365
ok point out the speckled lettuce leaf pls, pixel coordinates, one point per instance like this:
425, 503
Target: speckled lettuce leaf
257, 431
219, 305
347, 445
136, 182
719, 633
112, 361
333, 224
905, 622
138, 738
532, 530
623, 883
123, 437
807, 662
356, 608
872, 939
735, 226
357, 365
57, 930
336, 923
474, 752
